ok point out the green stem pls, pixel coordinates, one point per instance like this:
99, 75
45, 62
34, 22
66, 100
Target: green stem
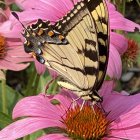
4, 105
33, 84
124, 6
55, 88
138, 2
36, 82
30, 83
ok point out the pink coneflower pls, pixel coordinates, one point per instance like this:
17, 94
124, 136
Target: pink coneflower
11, 53
11, 35
132, 52
55, 9
121, 120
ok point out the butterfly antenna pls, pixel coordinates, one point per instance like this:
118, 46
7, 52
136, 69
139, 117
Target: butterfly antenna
82, 105
102, 107
17, 17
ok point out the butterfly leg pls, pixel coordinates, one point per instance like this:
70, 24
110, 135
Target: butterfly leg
92, 105
48, 85
74, 101
82, 105
102, 108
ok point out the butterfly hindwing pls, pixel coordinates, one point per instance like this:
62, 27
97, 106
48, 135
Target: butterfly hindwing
99, 12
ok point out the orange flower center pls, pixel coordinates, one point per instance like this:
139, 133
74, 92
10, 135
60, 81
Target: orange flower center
2, 47
86, 124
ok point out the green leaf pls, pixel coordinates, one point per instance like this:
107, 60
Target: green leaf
14, 7
11, 97
135, 36
4, 120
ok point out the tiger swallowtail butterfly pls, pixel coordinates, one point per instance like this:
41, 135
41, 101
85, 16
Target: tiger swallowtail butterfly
76, 47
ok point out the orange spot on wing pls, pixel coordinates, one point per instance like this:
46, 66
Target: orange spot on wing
61, 37
50, 33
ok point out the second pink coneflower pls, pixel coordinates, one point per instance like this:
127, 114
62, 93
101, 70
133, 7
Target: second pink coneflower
119, 120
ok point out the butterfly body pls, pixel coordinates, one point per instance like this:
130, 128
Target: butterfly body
76, 47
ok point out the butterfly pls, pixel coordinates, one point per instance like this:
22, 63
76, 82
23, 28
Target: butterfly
76, 47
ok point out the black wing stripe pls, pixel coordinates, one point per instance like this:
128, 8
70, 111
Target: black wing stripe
103, 44
56, 63
92, 55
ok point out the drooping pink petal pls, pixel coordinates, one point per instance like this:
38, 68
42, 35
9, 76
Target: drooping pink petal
40, 67
54, 137
106, 88
12, 66
119, 41
117, 20
36, 106
26, 126
114, 65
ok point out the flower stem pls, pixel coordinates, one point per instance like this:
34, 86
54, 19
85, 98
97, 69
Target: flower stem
4, 105
30, 83
138, 2
123, 8
36, 82
55, 87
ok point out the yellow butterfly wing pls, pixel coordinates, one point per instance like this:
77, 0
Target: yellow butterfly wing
74, 46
